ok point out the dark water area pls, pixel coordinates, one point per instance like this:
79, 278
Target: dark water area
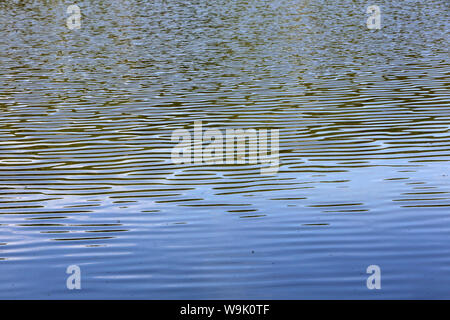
86, 177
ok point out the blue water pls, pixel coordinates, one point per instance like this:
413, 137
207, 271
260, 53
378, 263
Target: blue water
86, 176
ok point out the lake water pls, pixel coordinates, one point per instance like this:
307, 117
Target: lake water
86, 176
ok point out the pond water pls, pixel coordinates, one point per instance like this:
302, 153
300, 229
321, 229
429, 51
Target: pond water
86, 176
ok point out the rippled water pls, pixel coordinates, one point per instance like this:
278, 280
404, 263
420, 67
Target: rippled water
86, 176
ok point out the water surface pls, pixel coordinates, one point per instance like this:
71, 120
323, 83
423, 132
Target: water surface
86, 176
